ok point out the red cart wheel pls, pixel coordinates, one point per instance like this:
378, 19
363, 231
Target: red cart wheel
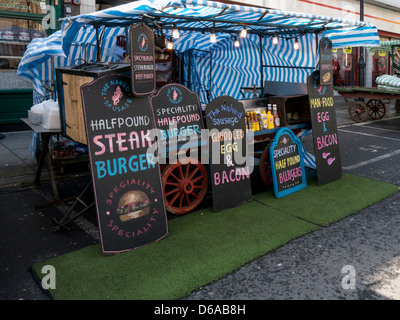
185, 186
265, 167
358, 111
377, 109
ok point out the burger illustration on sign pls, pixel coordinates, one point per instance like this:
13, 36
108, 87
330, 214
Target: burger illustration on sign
133, 205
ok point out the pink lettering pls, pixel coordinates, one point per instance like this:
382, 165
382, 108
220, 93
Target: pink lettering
100, 144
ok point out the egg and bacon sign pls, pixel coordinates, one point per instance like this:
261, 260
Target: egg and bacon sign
126, 178
229, 161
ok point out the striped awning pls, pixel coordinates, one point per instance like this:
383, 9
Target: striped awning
385, 46
44, 55
205, 16
195, 19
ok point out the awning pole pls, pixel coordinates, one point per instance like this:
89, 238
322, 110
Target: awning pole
361, 61
98, 53
261, 68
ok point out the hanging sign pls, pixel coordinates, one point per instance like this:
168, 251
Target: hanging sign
325, 61
348, 50
178, 116
288, 173
229, 164
324, 128
143, 70
126, 178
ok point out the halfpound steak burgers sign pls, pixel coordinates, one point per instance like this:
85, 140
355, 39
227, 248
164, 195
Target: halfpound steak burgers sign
230, 169
126, 178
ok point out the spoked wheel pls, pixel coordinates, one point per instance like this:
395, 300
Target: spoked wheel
377, 109
265, 167
185, 186
358, 111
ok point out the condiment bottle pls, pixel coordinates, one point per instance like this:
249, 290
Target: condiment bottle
270, 119
277, 120
264, 120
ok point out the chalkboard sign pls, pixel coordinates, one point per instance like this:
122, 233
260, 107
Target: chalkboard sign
143, 71
178, 116
229, 163
288, 173
126, 178
325, 61
324, 128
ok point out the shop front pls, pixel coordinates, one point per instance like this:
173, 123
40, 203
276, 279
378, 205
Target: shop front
20, 23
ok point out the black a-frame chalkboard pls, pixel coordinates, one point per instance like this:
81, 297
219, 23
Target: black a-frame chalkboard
126, 177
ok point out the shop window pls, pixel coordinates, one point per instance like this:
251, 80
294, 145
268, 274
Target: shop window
33, 6
396, 61
344, 63
15, 35
380, 65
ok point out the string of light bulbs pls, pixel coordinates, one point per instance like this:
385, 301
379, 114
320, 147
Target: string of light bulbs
242, 34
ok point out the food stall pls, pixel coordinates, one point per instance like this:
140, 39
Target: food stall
213, 49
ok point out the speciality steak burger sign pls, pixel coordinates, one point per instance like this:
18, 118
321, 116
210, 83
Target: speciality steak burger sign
230, 168
126, 178
177, 115
143, 69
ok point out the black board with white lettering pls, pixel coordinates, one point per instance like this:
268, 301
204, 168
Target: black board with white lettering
178, 116
288, 172
229, 164
142, 50
325, 61
126, 177
324, 128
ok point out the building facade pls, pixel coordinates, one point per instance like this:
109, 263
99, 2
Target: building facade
21, 21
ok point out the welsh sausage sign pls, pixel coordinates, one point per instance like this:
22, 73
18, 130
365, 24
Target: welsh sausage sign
324, 127
126, 178
288, 173
143, 69
177, 115
229, 165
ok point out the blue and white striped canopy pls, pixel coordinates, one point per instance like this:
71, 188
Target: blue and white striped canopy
231, 67
204, 16
44, 55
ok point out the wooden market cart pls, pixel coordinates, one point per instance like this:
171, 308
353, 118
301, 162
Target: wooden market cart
374, 108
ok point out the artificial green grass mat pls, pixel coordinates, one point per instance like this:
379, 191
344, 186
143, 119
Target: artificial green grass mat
204, 246
201, 247
323, 205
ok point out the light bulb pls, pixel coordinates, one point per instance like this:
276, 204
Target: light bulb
275, 40
213, 37
243, 33
175, 33
170, 45
237, 44
296, 45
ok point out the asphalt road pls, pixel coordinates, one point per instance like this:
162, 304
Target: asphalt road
366, 244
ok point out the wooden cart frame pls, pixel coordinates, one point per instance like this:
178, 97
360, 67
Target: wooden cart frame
374, 108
